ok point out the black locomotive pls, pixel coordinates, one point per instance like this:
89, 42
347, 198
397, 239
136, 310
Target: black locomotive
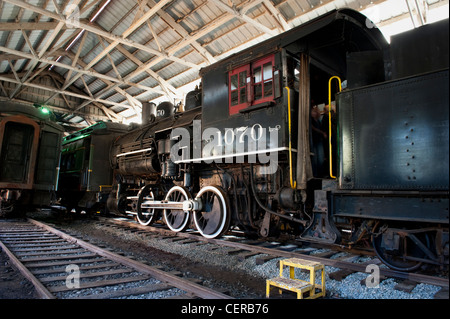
29, 155
242, 152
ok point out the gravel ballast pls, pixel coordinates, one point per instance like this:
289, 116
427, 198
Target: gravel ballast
212, 265
349, 288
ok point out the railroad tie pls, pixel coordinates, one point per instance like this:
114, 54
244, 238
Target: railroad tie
406, 286
442, 294
263, 259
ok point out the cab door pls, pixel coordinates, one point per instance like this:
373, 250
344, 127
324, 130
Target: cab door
18, 146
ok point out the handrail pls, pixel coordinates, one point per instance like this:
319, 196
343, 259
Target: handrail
291, 178
329, 121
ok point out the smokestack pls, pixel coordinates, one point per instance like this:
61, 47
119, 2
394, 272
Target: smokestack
148, 112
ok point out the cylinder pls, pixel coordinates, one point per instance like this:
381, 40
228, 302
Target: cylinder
286, 198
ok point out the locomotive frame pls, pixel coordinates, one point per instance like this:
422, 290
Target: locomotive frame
239, 155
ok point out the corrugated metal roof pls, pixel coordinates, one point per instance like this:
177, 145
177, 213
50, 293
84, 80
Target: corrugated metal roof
161, 54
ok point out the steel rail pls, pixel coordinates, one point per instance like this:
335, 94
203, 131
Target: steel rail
40, 288
183, 284
443, 282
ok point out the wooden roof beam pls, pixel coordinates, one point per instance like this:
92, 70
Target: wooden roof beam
110, 85
69, 67
167, 18
47, 44
52, 89
238, 14
105, 34
276, 15
28, 26
125, 34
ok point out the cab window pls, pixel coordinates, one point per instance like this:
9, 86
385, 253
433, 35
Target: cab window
251, 84
238, 89
263, 80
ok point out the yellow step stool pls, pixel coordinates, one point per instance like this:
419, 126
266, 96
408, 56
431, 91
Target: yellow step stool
304, 289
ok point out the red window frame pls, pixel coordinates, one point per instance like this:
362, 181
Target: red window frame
238, 89
263, 88
247, 88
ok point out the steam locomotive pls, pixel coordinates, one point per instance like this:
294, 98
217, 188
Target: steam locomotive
29, 155
241, 152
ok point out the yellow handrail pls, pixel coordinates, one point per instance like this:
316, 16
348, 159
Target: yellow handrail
329, 121
291, 178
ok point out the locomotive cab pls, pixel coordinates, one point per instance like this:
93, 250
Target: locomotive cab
257, 112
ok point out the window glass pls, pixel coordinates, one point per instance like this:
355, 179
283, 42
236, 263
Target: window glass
257, 83
234, 97
238, 98
267, 71
234, 82
242, 78
242, 87
268, 88
257, 74
262, 80
258, 91
243, 95
268, 79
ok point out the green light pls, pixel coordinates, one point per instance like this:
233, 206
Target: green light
45, 110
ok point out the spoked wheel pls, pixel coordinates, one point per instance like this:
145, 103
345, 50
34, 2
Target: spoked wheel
177, 219
397, 250
214, 218
146, 216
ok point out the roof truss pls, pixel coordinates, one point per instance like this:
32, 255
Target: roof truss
106, 58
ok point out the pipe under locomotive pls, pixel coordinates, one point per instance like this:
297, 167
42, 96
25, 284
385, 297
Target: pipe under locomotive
242, 154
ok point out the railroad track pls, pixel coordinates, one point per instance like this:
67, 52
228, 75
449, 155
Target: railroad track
62, 266
346, 263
